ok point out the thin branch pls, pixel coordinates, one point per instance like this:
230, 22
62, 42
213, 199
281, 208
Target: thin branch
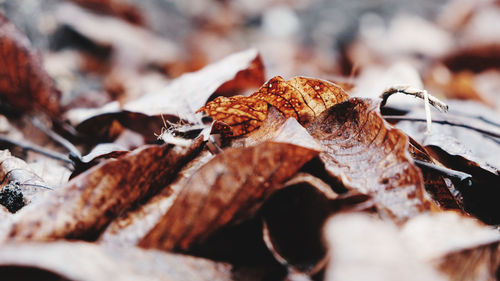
36, 148
408, 90
57, 138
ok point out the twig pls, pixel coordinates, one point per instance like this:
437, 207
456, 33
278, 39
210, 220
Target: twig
445, 122
57, 138
36, 148
408, 90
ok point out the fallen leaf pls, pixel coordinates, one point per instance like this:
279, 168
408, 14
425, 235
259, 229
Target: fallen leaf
19, 183
23, 81
134, 225
300, 98
90, 201
367, 155
180, 99
229, 188
189, 92
87, 261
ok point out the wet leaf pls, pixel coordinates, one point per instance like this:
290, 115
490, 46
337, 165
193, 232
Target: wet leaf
91, 200
228, 189
23, 81
300, 98
367, 155
87, 261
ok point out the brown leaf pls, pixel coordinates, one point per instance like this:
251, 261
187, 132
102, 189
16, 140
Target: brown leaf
91, 200
134, 225
86, 261
301, 98
365, 154
23, 81
183, 96
229, 188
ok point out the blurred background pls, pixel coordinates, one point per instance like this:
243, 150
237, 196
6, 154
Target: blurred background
452, 48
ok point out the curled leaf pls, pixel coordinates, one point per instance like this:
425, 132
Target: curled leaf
229, 188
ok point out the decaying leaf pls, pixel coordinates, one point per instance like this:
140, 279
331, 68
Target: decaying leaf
365, 154
87, 261
227, 189
23, 81
301, 98
19, 183
91, 200
131, 227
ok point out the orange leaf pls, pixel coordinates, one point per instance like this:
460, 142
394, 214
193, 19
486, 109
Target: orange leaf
301, 98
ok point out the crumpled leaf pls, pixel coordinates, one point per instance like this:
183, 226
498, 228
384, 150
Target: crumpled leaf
23, 81
86, 261
91, 200
301, 98
19, 178
365, 154
228, 189
131, 227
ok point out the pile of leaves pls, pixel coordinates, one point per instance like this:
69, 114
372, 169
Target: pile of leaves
220, 175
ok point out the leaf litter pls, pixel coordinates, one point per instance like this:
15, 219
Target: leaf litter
297, 181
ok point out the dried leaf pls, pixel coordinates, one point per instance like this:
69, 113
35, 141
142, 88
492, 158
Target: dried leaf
91, 200
23, 81
365, 154
21, 183
86, 261
191, 91
300, 98
228, 189
131, 227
